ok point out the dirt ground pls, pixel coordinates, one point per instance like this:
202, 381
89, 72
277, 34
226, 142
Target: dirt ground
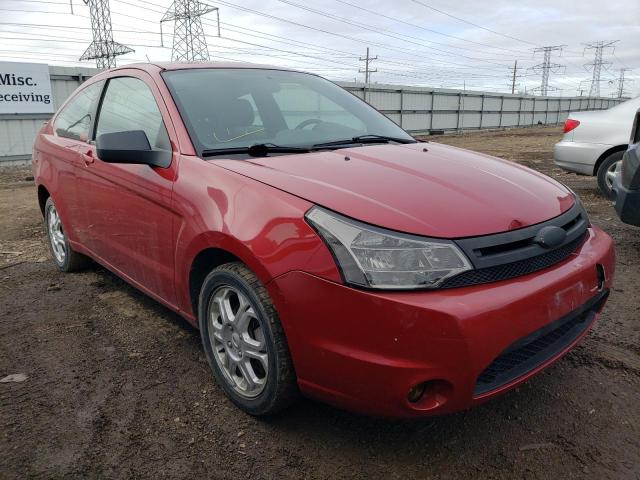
117, 386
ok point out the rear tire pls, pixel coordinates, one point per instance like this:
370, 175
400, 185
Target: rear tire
244, 341
605, 173
64, 257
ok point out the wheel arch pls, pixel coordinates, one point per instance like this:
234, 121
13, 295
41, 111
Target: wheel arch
617, 148
208, 252
43, 195
205, 261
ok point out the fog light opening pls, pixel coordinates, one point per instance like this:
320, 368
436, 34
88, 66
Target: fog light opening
602, 278
416, 393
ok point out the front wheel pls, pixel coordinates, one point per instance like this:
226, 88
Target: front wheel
606, 173
244, 341
65, 258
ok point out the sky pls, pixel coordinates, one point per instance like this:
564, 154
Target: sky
433, 43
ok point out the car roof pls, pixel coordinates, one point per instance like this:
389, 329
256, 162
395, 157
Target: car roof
162, 66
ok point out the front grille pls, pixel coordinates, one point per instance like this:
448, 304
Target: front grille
538, 347
515, 269
519, 252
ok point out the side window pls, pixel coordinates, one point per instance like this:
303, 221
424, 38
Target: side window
129, 104
74, 119
298, 104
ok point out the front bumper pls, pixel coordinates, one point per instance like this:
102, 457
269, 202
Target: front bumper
364, 350
578, 157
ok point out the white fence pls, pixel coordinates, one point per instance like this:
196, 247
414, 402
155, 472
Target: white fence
417, 110
426, 110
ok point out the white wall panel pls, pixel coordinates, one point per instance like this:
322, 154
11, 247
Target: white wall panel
417, 101
384, 100
445, 121
416, 121
490, 120
511, 104
471, 103
470, 120
445, 102
492, 103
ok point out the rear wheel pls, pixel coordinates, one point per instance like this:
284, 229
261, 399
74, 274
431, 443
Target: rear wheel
244, 341
65, 258
606, 173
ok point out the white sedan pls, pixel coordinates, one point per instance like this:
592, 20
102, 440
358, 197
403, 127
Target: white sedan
594, 142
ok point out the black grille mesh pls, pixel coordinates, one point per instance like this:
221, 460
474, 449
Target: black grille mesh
515, 269
508, 361
537, 347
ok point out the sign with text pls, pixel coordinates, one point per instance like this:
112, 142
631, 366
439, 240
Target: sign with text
25, 88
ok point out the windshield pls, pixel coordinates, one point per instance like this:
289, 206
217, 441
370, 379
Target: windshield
234, 108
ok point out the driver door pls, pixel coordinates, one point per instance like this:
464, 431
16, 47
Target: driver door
127, 207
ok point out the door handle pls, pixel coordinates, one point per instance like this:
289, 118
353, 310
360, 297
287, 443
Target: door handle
88, 157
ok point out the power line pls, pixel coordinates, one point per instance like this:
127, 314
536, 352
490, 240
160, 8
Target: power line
288, 40
435, 69
379, 30
103, 49
471, 23
598, 63
415, 25
398, 49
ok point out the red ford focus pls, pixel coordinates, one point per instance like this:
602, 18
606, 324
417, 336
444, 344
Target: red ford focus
317, 246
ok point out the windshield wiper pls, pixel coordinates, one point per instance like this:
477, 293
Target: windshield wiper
256, 150
368, 138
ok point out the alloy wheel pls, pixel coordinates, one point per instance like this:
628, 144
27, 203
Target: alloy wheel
611, 173
238, 341
56, 235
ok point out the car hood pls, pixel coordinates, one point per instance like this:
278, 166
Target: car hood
423, 188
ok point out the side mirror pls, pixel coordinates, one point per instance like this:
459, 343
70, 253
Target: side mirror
131, 146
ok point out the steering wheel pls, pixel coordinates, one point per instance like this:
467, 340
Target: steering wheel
309, 121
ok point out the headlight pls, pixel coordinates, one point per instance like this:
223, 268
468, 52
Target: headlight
372, 257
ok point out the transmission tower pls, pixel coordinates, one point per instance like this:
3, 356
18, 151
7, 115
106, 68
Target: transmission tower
367, 70
597, 64
547, 67
621, 91
102, 49
189, 40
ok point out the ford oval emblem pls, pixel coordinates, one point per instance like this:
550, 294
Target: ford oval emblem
550, 237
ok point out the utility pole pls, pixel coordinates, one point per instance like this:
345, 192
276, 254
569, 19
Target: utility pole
103, 49
514, 76
189, 40
546, 67
367, 70
597, 64
621, 92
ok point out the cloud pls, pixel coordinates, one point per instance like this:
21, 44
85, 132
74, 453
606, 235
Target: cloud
415, 44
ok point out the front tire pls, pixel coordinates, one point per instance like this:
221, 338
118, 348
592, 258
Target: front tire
606, 173
65, 258
244, 341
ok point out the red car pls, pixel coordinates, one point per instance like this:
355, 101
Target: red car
318, 247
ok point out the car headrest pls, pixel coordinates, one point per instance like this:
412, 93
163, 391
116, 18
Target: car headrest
240, 113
